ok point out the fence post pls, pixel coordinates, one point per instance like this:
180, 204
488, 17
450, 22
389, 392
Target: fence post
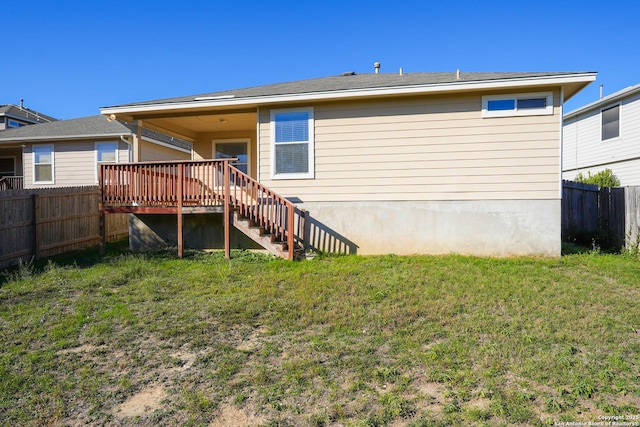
36, 236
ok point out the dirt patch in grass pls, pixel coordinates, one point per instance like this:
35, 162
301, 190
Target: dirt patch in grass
142, 403
85, 348
230, 416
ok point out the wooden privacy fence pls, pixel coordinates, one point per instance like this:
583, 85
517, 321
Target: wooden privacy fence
595, 211
39, 223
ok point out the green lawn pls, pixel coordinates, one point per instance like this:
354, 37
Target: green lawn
351, 341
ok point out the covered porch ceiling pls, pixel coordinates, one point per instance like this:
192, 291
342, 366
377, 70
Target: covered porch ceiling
191, 124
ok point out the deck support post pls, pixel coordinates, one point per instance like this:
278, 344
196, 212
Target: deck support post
227, 211
179, 191
103, 231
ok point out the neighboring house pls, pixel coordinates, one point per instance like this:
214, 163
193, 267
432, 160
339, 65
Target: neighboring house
604, 134
14, 116
65, 153
395, 163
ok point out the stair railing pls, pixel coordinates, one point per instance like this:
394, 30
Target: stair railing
267, 209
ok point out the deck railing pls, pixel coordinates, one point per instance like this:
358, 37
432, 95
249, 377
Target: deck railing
202, 183
11, 182
158, 184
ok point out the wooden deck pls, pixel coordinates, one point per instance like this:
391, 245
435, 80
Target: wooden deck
204, 186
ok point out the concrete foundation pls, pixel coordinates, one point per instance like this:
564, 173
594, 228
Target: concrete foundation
200, 231
487, 227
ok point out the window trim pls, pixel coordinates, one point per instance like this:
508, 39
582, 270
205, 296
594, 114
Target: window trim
310, 148
608, 107
33, 164
546, 111
95, 150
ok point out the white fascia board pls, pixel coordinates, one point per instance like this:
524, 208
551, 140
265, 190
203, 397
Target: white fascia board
616, 96
164, 144
356, 93
64, 137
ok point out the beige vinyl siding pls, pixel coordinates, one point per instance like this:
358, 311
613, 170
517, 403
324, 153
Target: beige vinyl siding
74, 163
584, 151
150, 152
425, 148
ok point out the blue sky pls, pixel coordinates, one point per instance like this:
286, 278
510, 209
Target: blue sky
69, 58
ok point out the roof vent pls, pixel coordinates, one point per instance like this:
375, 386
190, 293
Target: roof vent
349, 73
458, 74
376, 67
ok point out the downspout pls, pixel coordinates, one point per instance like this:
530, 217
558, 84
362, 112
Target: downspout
130, 150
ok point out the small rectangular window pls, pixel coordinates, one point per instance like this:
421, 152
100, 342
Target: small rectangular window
501, 104
610, 122
523, 104
530, 103
43, 164
292, 143
15, 124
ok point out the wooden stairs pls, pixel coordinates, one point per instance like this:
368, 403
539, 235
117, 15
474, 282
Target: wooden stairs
264, 238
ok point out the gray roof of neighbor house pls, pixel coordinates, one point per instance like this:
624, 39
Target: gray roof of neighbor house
614, 97
26, 114
83, 128
351, 81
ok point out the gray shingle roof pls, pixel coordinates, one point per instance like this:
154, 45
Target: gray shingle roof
73, 128
24, 113
354, 82
85, 127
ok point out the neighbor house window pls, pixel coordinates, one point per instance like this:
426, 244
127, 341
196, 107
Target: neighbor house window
106, 152
15, 124
610, 122
43, 164
523, 104
292, 143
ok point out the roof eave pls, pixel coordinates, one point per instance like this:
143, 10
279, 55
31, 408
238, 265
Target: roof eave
616, 96
64, 137
559, 80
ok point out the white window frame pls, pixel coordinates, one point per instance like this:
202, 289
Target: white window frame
95, 150
546, 111
33, 163
234, 141
619, 105
310, 149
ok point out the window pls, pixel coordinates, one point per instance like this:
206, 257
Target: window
292, 143
43, 164
106, 152
524, 104
15, 124
7, 166
610, 122
231, 149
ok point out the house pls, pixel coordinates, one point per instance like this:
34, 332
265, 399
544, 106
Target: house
65, 153
13, 116
604, 134
380, 163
